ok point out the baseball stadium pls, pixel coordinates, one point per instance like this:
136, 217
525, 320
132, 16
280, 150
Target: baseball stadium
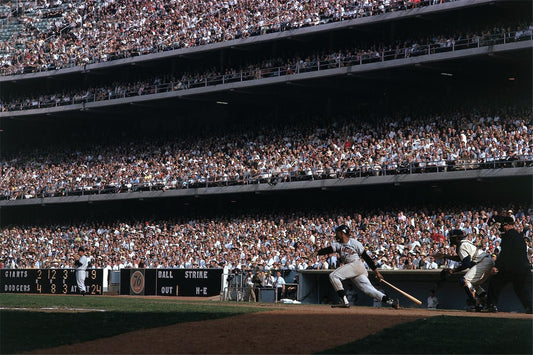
266, 176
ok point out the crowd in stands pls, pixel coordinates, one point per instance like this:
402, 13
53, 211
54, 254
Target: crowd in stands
58, 34
345, 147
271, 67
395, 239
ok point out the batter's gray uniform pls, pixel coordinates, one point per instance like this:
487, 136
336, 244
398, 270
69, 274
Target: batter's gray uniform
353, 268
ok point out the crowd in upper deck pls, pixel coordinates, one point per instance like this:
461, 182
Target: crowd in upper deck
57, 34
358, 53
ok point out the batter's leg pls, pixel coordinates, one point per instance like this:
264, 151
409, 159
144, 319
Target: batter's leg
363, 283
342, 273
80, 278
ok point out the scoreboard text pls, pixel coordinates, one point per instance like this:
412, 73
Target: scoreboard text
171, 282
49, 281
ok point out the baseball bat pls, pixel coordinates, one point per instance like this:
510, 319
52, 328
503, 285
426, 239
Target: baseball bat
415, 300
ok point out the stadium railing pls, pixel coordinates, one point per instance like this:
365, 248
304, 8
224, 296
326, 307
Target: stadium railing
274, 177
294, 68
350, 12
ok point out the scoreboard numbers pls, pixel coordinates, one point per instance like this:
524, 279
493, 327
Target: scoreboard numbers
49, 281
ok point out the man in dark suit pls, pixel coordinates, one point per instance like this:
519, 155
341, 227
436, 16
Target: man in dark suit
512, 265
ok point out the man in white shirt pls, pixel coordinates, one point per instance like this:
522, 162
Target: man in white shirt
431, 264
433, 301
279, 284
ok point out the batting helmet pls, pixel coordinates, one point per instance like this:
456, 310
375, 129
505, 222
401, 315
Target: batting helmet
343, 228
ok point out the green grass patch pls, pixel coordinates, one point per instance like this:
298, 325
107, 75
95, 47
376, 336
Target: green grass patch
25, 330
447, 335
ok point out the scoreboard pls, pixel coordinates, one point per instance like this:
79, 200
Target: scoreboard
171, 282
49, 281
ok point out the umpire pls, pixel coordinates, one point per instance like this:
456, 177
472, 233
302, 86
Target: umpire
511, 265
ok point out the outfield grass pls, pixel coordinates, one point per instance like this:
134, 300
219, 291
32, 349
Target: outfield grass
447, 335
25, 330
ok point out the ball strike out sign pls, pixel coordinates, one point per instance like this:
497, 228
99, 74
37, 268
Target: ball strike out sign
171, 282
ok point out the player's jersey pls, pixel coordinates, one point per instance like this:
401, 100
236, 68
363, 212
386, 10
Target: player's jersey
467, 248
84, 262
349, 251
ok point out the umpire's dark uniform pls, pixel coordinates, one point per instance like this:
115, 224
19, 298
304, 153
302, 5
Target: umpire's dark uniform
513, 266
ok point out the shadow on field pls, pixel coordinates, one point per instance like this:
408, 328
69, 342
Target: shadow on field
447, 335
29, 330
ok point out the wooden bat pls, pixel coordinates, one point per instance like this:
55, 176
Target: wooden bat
415, 300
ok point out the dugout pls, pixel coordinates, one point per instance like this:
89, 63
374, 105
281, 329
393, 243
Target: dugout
315, 288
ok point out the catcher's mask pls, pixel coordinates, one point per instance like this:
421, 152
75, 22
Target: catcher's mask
456, 235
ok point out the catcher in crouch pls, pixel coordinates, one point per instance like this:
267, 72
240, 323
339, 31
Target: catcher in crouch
477, 261
351, 252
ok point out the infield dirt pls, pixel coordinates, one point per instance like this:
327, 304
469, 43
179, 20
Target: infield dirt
294, 329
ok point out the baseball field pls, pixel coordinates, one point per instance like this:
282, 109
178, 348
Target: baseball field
126, 325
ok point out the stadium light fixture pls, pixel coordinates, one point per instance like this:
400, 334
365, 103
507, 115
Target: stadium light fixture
222, 102
446, 74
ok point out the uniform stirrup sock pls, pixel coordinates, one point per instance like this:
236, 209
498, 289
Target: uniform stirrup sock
342, 296
469, 295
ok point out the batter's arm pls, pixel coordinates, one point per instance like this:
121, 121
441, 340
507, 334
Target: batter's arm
465, 264
325, 251
371, 265
446, 256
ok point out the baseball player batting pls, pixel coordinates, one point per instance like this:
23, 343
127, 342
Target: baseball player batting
479, 264
351, 251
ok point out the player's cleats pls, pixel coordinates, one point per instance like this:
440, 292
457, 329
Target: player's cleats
341, 305
393, 303
492, 309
